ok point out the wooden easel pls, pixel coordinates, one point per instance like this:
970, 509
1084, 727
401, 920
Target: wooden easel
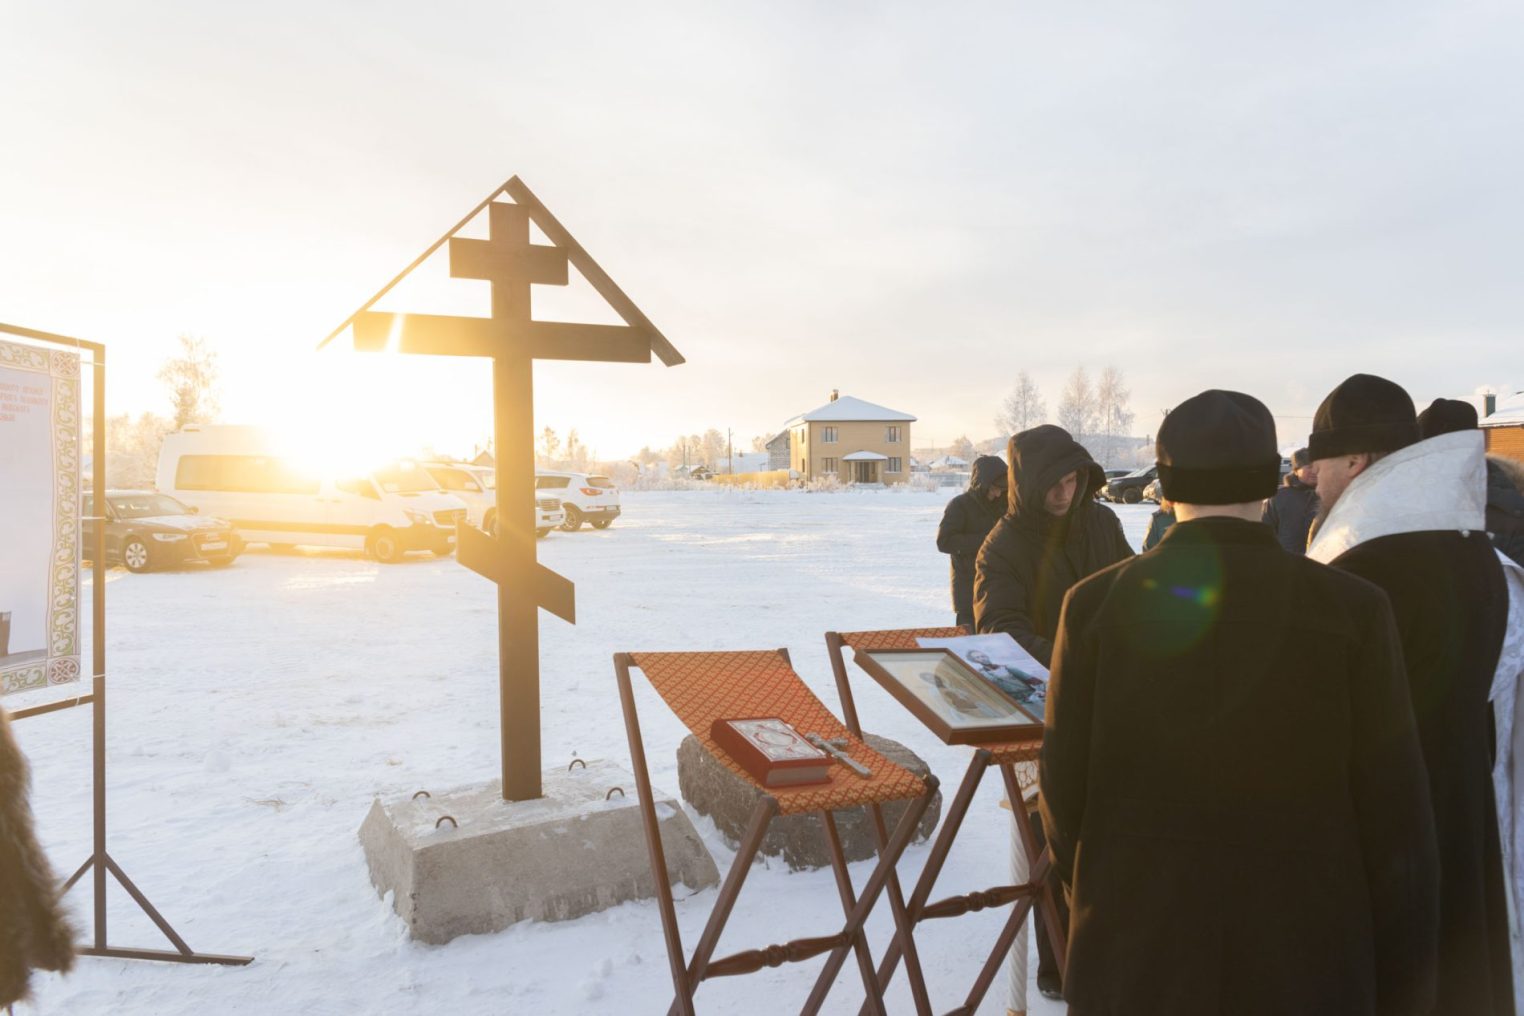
1005, 757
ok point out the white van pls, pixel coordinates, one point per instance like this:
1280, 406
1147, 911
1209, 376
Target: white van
235, 473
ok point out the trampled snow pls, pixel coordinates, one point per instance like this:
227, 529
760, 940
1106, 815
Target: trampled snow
256, 711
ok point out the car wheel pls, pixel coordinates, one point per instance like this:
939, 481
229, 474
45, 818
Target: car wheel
1132, 495
443, 551
541, 533
384, 545
135, 554
603, 523
573, 519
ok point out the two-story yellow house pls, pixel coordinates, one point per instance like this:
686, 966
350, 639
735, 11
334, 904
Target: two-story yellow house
853, 440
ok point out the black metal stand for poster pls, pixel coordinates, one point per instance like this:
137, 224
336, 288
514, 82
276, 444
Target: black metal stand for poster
100, 862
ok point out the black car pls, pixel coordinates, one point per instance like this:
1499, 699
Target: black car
1129, 488
147, 530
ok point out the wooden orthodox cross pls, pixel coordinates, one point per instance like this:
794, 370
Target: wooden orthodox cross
514, 340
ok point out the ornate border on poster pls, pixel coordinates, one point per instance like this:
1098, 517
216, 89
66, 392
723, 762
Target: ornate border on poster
61, 665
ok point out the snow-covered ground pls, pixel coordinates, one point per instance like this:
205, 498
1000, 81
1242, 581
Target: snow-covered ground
256, 712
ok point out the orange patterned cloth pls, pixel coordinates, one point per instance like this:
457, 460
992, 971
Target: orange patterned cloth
905, 638
703, 687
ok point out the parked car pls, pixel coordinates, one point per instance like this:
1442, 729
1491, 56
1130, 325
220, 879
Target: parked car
238, 473
1111, 474
1153, 492
148, 530
1129, 488
585, 497
477, 487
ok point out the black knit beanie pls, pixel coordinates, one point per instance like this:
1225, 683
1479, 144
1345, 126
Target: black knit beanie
1364, 414
1446, 416
1218, 448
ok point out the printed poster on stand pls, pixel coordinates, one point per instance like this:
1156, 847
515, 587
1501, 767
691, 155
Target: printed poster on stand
39, 517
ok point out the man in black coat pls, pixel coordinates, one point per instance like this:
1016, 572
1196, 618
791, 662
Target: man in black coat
967, 520
1244, 826
1505, 499
1054, 534
1291, 509
1408, 515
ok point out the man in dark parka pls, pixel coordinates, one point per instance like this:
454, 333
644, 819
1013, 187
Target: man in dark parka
1408, 515
1244, 825
1050, 538
1054, 534
966, 521
1291, 509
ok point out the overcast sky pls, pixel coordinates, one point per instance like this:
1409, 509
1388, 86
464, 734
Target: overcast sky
909, 202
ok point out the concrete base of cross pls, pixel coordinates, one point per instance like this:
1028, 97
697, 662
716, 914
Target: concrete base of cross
465, 861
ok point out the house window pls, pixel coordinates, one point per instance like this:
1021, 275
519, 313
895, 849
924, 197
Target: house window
829, 466
892, 435
894, 466
828, 435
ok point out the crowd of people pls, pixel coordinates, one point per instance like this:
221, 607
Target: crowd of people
1277, 765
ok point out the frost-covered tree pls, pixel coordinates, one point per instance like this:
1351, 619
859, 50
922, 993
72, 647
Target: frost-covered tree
548, 446
577, 455
1076, 410
714, 449
1113, 415
132, 448
964, 449
1023, 409
192, 381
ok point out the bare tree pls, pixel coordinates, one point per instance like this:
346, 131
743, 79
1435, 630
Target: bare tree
714, 449
759, 443
964, 449
1112, 412
192, 380
1023, 409
1076, 411
576, 451
132, 449
548, 446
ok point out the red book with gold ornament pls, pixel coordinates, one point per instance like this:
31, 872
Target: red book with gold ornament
772, 751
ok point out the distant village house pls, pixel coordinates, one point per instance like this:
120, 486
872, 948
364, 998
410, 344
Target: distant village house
855, 441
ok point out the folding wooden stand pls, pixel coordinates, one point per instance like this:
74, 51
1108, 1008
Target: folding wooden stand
703, 687
1004, 756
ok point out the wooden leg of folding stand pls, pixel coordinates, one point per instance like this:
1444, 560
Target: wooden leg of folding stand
1047, 906
834, 647
873, 999
751, 842
904, 928
871, 892
951, 822
992, 965
680, 982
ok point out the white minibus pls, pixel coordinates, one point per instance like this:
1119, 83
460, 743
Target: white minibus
238, 473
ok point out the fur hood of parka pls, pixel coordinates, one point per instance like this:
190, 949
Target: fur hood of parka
34, 934
1039, 458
